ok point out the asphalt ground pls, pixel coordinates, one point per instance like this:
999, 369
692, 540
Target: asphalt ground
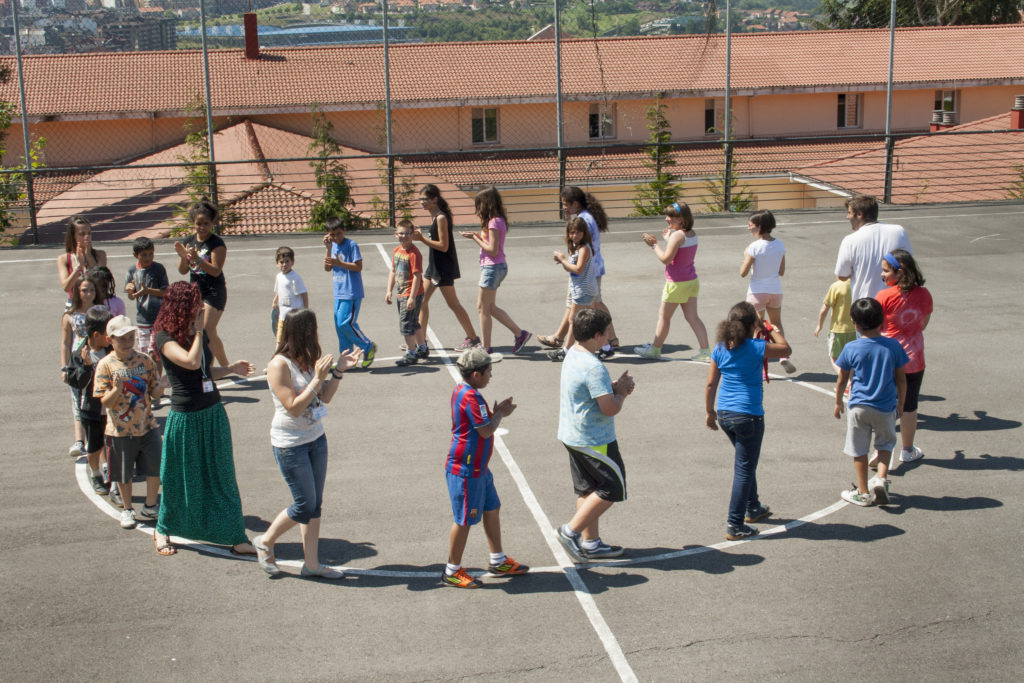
929, 588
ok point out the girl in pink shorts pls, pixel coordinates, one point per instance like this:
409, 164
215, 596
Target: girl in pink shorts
765, 261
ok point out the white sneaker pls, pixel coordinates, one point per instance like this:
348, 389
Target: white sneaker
77, 449
704, 356
853, 496
880, 490
787, 366
647, 351
911, 455
128, 518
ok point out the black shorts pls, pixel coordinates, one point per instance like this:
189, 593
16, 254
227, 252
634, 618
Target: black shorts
216, 296
128, 455
442, 281
93, 434
913, 391
598, 469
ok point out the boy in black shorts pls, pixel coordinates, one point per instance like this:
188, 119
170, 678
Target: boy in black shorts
80, 375
586, 426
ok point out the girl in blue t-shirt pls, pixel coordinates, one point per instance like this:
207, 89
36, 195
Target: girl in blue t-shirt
736, 363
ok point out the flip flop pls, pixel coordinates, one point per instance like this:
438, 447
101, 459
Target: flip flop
166, 548
243, 553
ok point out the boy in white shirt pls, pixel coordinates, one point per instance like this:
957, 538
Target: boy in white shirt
289, 289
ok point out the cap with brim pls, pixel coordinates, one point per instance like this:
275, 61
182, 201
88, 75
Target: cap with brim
473, 359
119, 326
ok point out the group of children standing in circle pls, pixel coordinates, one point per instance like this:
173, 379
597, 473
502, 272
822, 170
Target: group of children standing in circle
181, 335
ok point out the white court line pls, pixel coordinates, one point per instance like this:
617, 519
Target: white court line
566, 566
580, 590
379, 245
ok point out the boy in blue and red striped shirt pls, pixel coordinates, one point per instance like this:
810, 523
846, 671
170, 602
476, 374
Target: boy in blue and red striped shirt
470, 482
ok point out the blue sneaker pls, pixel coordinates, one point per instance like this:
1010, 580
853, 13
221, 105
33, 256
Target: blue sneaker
738, 533
571, 541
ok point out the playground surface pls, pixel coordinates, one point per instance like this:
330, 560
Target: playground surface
928, 588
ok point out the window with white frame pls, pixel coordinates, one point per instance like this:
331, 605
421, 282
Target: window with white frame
848, 110
601, 122
947, 100
485, 125
714, 115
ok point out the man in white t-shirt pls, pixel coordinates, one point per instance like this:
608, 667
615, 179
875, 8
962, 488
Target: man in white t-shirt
861, 253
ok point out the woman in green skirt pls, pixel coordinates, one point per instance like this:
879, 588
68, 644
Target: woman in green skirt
200, 495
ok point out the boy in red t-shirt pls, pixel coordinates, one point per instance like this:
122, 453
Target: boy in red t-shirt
405, 283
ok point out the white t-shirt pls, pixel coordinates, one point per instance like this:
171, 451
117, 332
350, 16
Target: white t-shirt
289, 288
764, 275
861, 253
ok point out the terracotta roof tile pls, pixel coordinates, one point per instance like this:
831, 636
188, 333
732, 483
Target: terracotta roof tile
964, 163
353, 75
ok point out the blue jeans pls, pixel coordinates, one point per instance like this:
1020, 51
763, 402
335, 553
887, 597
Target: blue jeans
746, 433
304, 468
349, 335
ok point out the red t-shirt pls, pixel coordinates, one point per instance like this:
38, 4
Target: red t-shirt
905, 316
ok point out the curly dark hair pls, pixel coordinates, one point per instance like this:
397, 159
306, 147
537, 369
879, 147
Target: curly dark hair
181, 303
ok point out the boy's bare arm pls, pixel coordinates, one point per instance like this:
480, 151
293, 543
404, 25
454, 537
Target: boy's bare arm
821, 319
844, 378
901, 390
501, 410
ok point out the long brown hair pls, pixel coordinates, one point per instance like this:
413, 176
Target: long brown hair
589, 203
299, 340
488, 205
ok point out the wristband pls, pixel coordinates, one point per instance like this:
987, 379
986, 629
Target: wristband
335, 374
768, 329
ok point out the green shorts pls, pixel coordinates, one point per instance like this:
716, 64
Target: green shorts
680, 292
837, 340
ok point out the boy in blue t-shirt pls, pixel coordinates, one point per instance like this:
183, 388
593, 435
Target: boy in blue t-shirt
876, 399
345, 261
589, 402
470, 482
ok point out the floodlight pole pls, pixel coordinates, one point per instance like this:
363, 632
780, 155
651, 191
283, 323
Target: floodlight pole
889, 142
727, 147
29, 193
209, 114
558, 106
387, 117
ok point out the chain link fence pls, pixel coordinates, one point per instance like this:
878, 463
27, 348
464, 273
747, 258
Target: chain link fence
131, 169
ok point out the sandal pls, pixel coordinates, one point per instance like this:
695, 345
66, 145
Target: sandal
552, 342
163, 545
265, 556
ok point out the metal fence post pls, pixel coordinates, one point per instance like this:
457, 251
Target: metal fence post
727, 178
209, 114
29, 191
890, 149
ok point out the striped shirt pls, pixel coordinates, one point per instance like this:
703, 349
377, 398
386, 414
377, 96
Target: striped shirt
469, 453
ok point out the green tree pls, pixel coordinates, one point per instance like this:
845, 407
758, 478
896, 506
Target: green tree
1016, 188
741, 198
875, 13
200, 176
331, 178
662, 190
13, 186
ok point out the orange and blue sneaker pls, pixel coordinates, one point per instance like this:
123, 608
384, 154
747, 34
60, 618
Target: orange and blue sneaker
508, 568
459, 579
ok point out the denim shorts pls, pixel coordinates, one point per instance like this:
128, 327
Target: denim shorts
491, 277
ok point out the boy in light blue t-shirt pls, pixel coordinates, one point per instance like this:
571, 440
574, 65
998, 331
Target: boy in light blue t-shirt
876, 400
344, 260
586, 427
